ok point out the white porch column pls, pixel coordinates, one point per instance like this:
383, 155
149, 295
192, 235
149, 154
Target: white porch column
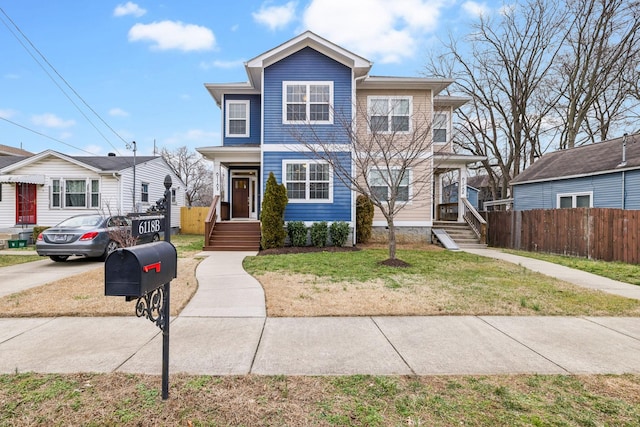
462, 191
217, 176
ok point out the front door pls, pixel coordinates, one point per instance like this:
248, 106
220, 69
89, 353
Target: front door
240, 198
25, 203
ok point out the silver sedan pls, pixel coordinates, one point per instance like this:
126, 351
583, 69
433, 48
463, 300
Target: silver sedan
90, 235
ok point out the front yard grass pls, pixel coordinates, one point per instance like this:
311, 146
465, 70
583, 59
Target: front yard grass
7, 260
360, 400
83, 294
623, 272
438, 282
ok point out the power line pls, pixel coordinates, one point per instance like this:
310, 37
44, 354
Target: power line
42, 134
61, 78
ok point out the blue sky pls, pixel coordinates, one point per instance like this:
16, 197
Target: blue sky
140, 67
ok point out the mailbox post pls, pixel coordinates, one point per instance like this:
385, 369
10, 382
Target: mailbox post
145, 272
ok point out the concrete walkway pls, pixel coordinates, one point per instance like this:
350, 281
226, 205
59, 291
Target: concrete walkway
224, 331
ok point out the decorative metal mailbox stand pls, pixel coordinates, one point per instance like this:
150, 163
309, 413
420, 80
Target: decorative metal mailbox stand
145, 272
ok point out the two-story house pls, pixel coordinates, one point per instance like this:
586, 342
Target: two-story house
310, 81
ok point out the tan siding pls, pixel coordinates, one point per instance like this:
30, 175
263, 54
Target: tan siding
419, 210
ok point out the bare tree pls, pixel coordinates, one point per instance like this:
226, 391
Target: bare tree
504, 67
598, 68
194, 171
388, 157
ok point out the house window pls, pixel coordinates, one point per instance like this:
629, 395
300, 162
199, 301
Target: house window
382, 182
55, 194
308, 181
440, 127
95, 193
389, 114
307, 102
173, 196
237, 119
75, 193
144, 192
575, 200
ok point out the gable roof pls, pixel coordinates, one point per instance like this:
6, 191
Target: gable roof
6, 150
593, 159
94, 163
254, 67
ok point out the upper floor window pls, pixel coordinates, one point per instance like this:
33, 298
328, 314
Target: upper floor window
237, 120
307, 181
575, 200
440, 127
307, 102
389, 114
144, 192
382, 182
75, 193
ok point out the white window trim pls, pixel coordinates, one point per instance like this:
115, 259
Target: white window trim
307, 186
447, 124
408, 170
573, 198
308, 102
142, 184
390, 98
63, 192
247, 104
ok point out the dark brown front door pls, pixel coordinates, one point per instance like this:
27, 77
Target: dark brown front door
25, 203
240, 198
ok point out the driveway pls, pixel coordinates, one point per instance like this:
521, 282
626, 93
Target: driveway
19, 277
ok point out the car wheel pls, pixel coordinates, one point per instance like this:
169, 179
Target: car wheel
155, 238
111, 246
59, 258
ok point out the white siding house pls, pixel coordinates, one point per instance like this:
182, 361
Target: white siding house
48, 187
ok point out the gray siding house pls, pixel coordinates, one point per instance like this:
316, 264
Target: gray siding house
601, 175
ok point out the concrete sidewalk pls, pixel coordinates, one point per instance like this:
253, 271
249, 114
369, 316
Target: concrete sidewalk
224, 331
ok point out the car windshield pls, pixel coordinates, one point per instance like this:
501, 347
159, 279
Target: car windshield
81, 221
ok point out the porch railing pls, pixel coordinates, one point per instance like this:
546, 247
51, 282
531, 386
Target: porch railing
210, 222
475, 221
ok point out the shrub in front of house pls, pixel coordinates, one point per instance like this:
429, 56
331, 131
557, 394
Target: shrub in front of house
297, 232
319, 234
364, 218
272, 214
339, 233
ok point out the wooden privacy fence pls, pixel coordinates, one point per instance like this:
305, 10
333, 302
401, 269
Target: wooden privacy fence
597, 233
192, 219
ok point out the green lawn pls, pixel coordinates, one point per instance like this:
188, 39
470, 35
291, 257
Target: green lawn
628, 273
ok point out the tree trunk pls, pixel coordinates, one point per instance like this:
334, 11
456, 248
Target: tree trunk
392, 238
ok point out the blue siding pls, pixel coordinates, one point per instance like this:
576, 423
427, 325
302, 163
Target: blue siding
607, 191
305, 65
632, 189
339, 210
472, 194
255, 118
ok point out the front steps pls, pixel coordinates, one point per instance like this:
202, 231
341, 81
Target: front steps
461, 234
234, 236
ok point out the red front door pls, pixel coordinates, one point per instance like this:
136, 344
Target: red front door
25, 203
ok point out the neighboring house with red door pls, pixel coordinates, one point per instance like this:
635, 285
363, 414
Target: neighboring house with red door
45, 188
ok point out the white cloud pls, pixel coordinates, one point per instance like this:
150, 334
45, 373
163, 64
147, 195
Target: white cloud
193, 136
7, 114
129, 8
376, 29
275, 17
118, 112
12, 76
222, 64
50, 120
475, 9
94, 149
166, 35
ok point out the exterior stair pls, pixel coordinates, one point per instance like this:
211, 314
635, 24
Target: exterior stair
234, 236
461, 233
